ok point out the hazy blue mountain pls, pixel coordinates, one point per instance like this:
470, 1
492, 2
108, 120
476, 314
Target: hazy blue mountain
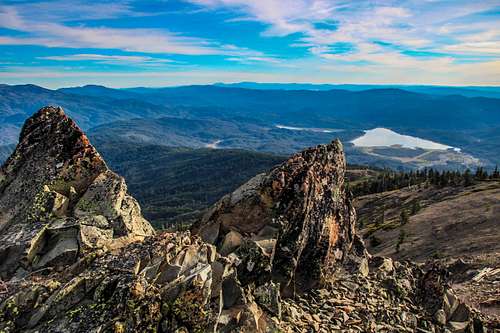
339, 108
19, 102
332, 108
492, 92
99, 91
279, 86
199, 116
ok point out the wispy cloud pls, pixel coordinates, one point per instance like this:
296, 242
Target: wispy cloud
372, 41
111, 59
409, 25
77, 10
54, 34
283, 17
252, 60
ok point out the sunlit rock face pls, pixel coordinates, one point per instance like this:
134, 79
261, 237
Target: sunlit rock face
58, 199
293, 225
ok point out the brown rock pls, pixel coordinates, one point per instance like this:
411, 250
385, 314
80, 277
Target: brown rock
231, 242
52, 188
300, 207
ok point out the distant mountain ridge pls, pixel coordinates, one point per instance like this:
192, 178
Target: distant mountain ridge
18, 102
374, 107
99, 91
467, 91
251, 115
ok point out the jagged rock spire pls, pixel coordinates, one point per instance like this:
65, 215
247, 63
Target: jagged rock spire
58, 198
298, 219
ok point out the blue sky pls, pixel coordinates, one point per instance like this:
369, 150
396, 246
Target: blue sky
162, 43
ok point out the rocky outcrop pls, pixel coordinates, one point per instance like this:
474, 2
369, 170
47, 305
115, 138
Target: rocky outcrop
391, 297
278, 254
178, 283
164, 283
293, 225
59, 200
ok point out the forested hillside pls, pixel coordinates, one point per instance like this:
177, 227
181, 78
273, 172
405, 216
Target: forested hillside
176, 184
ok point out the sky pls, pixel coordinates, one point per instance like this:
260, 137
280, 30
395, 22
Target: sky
151, 43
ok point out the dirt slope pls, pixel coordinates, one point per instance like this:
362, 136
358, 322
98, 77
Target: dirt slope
451, 222
460, 227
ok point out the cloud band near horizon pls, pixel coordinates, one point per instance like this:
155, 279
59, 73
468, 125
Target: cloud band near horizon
129, 43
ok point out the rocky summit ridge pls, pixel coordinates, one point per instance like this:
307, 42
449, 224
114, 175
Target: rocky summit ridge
59, 200
279, 254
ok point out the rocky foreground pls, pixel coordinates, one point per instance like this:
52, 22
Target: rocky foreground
278, 254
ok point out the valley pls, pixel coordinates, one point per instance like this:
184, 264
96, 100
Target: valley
176, 185
277, 121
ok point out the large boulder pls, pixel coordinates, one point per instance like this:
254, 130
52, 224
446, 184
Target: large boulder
59, 200
293, 225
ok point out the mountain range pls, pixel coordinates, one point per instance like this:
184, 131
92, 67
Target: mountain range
276, 121
471, 91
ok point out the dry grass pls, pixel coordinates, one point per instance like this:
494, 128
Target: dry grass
452, 222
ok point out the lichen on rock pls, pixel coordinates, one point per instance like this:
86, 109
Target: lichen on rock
53, 173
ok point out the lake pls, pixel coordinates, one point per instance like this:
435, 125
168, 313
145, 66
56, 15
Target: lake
309, 129
383, 137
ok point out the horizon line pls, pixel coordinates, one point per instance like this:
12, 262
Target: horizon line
256, 82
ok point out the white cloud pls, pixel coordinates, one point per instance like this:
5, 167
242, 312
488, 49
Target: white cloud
485, 42
483, 48
284, 17
413, 24
52, 34
110, 59
253, 60
439, 26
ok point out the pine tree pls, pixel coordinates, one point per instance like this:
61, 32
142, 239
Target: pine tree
496, 173
404, 217
468, 178
401, 239
415, 207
